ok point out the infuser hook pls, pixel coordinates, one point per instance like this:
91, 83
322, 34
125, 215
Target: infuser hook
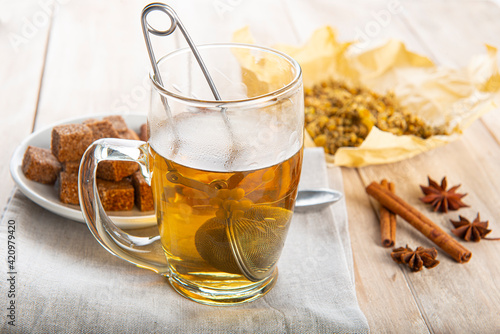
174, 23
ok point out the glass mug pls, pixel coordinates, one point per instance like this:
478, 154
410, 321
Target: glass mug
224, 174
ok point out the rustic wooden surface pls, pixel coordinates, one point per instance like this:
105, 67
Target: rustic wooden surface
80, 58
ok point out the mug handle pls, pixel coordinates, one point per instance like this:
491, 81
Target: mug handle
141, 251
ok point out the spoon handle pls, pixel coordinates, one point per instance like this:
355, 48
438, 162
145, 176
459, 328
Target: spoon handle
309, 199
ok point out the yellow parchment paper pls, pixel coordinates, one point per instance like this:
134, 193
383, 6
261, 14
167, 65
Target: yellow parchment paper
441, 96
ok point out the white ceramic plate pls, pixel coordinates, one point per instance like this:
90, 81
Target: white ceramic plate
46, 195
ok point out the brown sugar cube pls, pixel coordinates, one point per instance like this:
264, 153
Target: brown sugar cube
121, 126
118, 123
102, 129
143, 192
89, 120
69, 142
71, 167
129, 134
143, 134
115, 170
116, 196
68, 188
40, 165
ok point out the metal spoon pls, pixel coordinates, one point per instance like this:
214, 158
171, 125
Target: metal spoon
316, 199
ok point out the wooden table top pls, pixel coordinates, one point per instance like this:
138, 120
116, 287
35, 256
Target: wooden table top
77, 58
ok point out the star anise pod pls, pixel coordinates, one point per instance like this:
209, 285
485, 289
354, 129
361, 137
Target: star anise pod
442, 199
425, 257
468, 231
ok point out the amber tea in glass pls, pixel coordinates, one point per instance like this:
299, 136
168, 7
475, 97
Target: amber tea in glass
224, 174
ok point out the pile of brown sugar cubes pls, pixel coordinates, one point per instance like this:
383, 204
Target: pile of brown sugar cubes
120, 183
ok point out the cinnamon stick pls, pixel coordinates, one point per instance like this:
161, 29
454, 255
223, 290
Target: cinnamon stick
387, 220
423, 224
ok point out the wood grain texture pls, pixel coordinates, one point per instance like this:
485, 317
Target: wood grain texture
383, 294
444, 302
95, 62
459, 34
384, 290
24, 31
440, 292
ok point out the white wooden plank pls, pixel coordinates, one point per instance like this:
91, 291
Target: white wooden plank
216, 21
425, 291
459, 34
445, 302
369, 23
384, 295
473, 161
96, 62
381, 287
454, 30
24, 29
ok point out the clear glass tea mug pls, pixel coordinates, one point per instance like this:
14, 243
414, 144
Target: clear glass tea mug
224, 174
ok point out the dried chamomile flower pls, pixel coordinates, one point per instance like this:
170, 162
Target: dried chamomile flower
338, 115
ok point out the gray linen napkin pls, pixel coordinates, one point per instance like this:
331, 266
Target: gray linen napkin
66, 282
